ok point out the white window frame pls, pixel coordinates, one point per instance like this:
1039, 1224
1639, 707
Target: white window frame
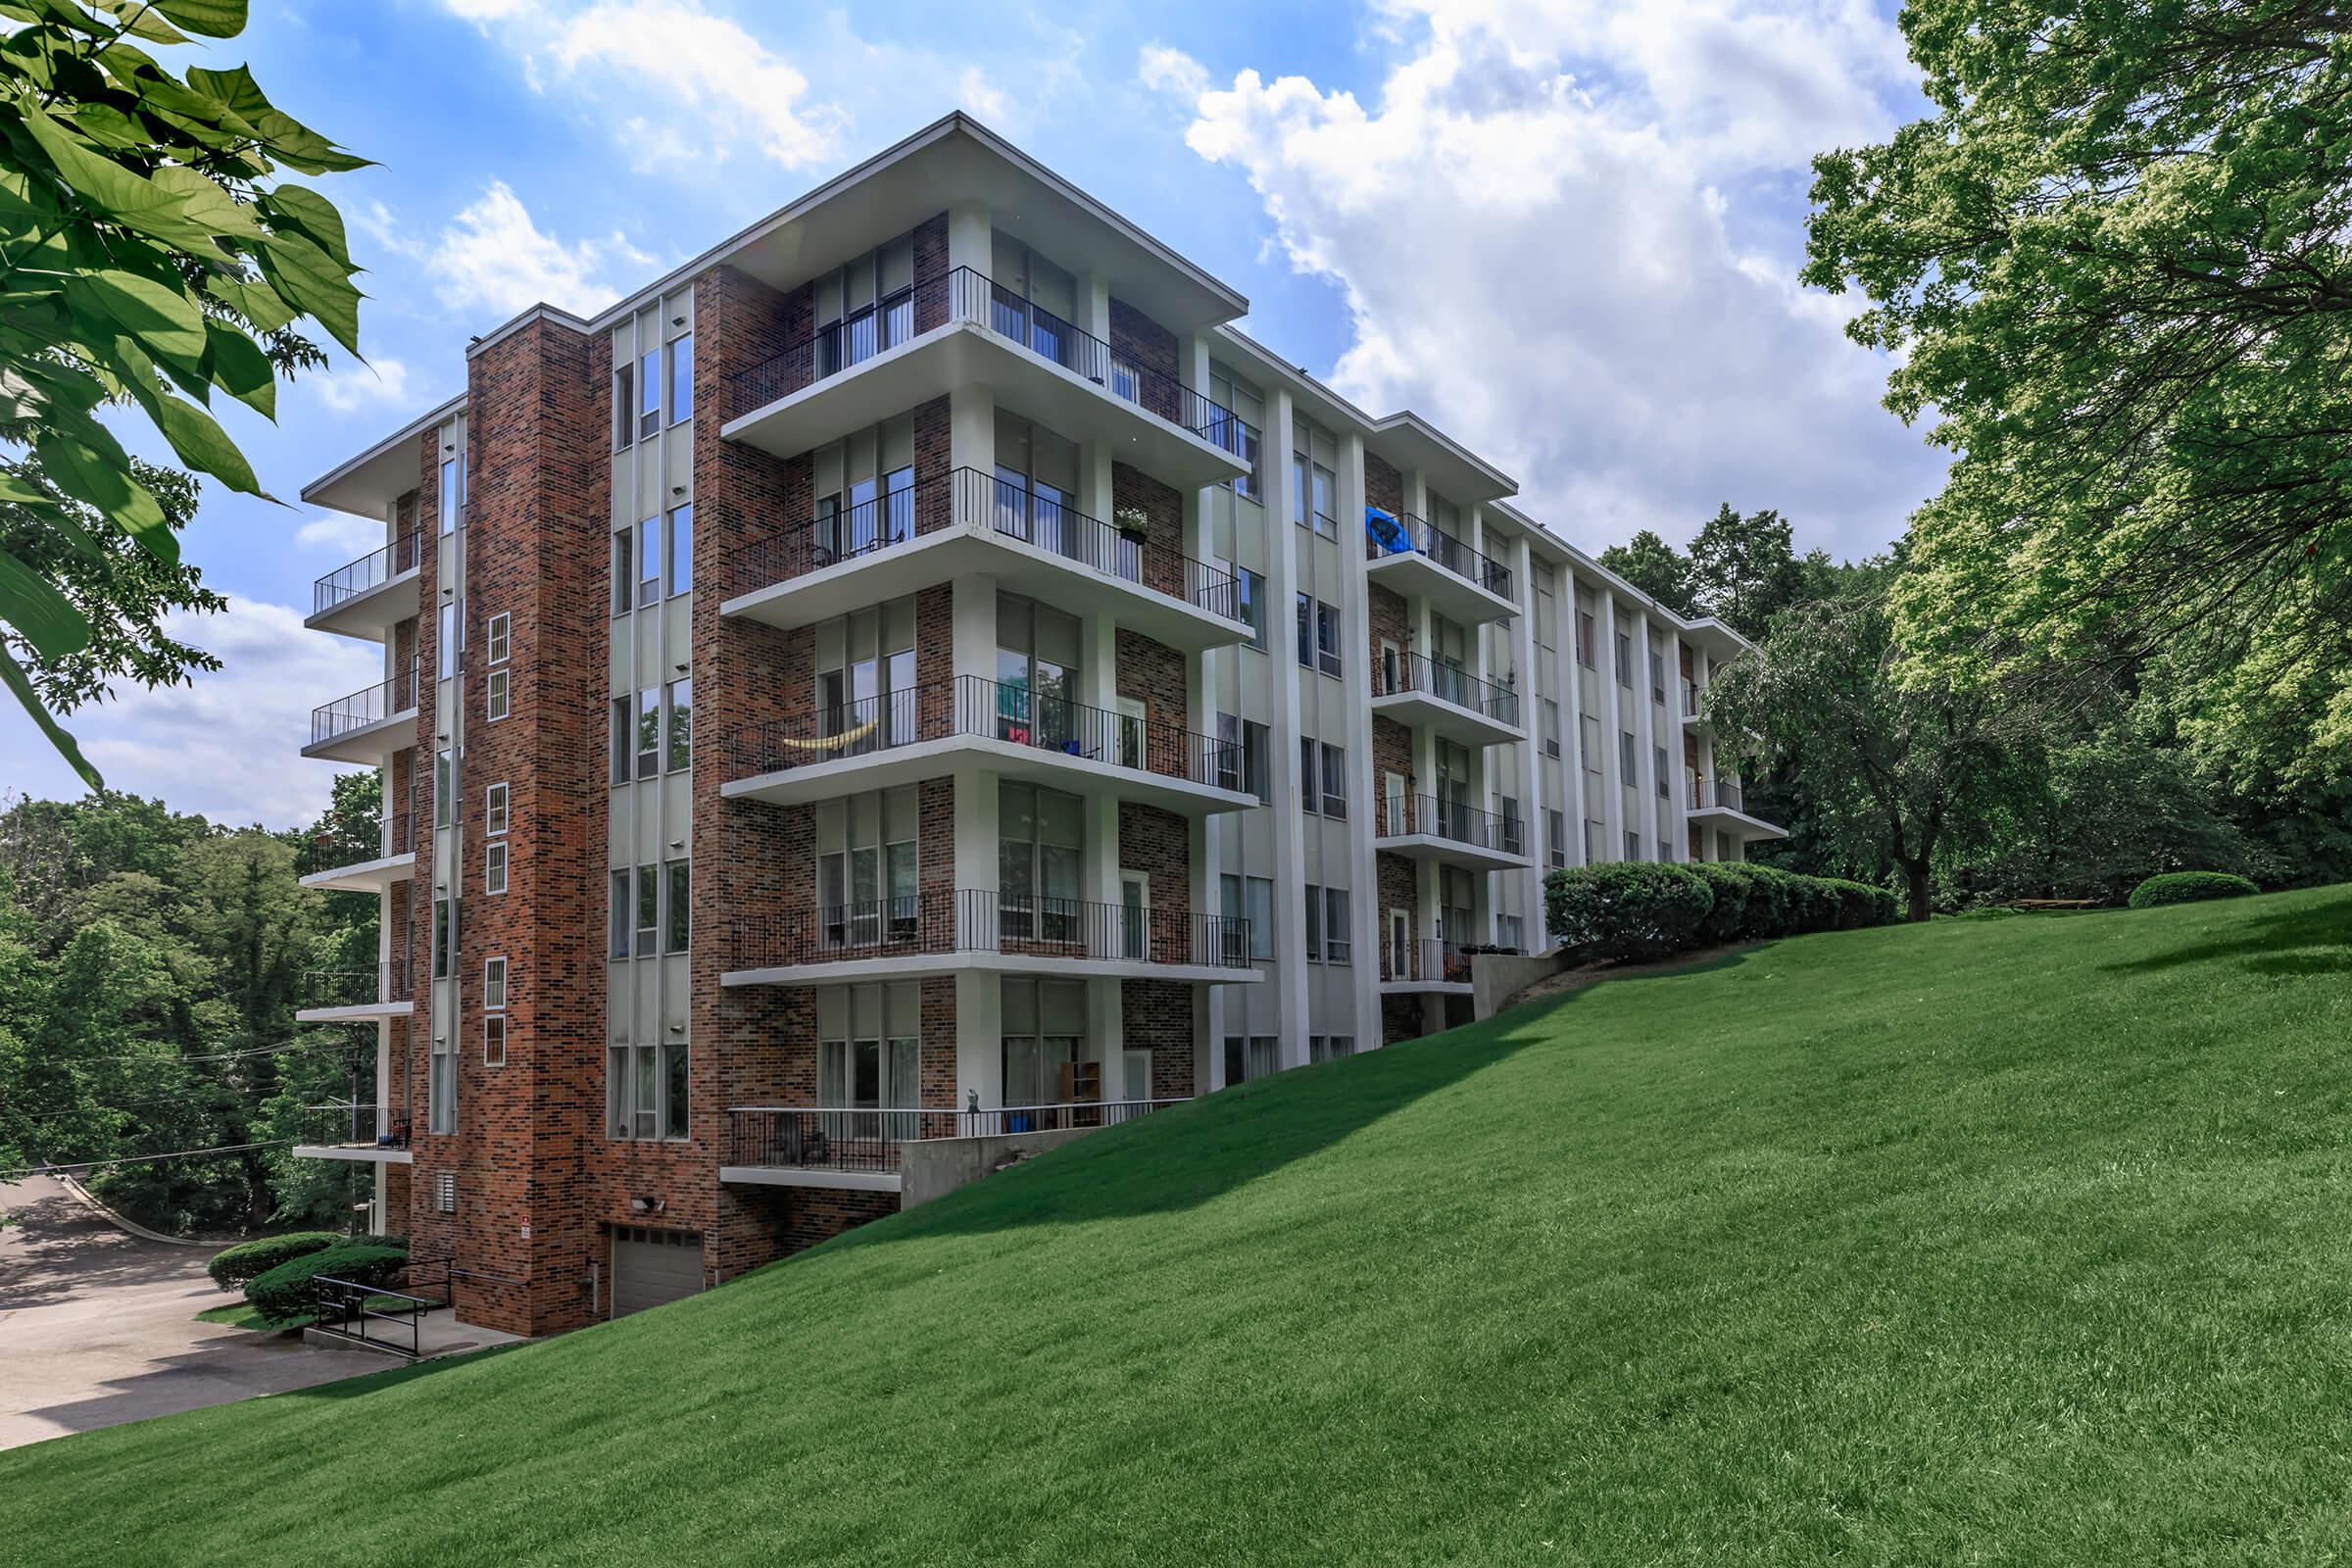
494, 983
499, 635
494, 868
494, 1039
496, 701
497, 812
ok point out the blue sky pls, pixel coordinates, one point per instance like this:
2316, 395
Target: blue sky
1565, 232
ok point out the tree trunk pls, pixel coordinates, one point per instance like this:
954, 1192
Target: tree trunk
1915, 884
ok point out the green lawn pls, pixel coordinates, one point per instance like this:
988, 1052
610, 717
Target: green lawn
2020, 1241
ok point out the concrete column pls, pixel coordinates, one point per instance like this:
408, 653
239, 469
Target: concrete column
1363, 786
1288, 976
1646, 711
972, 429
1528, 905
979, 1037
1093, 300
970, 241
1612, 725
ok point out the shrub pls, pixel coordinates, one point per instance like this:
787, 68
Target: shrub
1627, 911
1771, 902
283, 1295
232, 1267
1733, 888
2189, 887
1857, 902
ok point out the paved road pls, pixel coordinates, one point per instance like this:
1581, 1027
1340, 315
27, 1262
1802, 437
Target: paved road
97, 1327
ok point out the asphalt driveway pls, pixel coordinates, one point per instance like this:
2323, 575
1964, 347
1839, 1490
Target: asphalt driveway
97, 1327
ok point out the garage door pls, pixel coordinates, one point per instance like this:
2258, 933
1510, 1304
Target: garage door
650, 1267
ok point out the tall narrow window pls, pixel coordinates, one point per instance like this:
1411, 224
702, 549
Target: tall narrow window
1661, 772
649, 561
495, 699
624, 570
649, 732
649, 910
446, 637
1626, 757
1625, 660
494, 983
1314, 923
501, 631
494, 1039
1311, 775
1229, 752
681, 549
445, 783
1259, 891
618, 945
680, 704
681, 377
1583, 638
494, 866
680, 898
648, 394
1334, 782
1338, 944
452, 496
445, 935
1306, 632
1327, 637
625, 737
1257, 744
441, 1109
494, 810
624, 403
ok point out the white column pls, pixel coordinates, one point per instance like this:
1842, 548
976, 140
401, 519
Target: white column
970, 241
1612, 748
1288, 978
1531, 804
1363, 785
972, 431
1093, 301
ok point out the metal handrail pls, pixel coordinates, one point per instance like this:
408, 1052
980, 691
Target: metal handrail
1425, 538
1424, 961
975, 705
355, 988
347, 1307
363, 1126
1414, 816
968, 297
1448, 683
987, 920
1722, 794
369, 705
331, 852
850, 1138
364, 575
968, 498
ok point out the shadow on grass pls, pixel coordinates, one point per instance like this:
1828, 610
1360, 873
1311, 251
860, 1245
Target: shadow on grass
1194, 1152
2295, 944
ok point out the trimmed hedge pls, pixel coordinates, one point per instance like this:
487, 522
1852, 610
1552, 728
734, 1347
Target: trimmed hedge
283, 1295
2189, 887
232, 1267
1634, 911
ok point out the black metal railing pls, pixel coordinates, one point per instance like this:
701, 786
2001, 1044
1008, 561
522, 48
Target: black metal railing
986, 921
1417, 537
364, 575
1413, 816
371, 705
355, 1126
859, 1138
381, 1315
358, 988
968, 297
1424, 961
337, 848
1714, 792
974, 706
967, 498
1691, 693
1393, 673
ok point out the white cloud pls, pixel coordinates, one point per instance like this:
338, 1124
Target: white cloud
494, 253
383, 381
228, 746
340, 534
975, 94
1564, 234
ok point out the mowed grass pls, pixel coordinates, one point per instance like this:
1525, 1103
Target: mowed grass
2020, 1240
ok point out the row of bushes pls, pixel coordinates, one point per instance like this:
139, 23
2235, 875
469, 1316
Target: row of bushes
277, 1271
1639, 910
2189, 887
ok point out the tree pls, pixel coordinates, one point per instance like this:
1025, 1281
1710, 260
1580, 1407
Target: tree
1895, 774
2115, 264
1744, 570
149, 242
1655, 568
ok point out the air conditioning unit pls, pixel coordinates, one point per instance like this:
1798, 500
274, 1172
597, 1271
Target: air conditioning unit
444, 1191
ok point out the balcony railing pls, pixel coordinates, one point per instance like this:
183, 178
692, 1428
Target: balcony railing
984, 920
1448, 683
369, 573
968, 498
973, 706
1424, 539
1714, 792
1424, 961
1692, 692
334, 850
851, 1139
358, 988
970, 297
355, 1126
1425, 814
371, 705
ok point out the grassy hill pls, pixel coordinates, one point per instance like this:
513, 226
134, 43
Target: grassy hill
2018, 1241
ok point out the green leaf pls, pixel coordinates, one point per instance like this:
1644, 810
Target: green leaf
130, 200
165, 320
316, 216
13, 675
257, 303
239, 366
203, 444
214, 19
78, 468
206, 203
305, 276
46, 617
142, 19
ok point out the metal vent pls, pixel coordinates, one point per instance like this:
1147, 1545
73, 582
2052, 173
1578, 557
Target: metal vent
444, 1191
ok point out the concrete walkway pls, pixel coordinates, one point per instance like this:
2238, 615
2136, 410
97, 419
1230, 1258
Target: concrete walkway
98, 1327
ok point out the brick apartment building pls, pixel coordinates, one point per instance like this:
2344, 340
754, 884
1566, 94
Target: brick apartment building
918, 675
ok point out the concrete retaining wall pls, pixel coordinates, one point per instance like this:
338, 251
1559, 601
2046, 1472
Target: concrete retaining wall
933, 1167
1495, 978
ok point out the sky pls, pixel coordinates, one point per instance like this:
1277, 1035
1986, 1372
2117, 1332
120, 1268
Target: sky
1565, 232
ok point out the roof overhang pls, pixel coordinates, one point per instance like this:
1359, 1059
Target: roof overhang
1713, 638
370, 482
1452, 470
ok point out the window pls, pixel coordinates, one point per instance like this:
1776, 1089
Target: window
618, 947
494, 868
624, 405
1251, 899
1252, 590
1633, 845
1592, 843
649, 732
445, 783
445, 935
1334, 782
649, 910
624, 570
1625, 662
1589, 751
681, 549
1248, 1059
1583, 638
1329, 1048
680, 894
494, 810
649, 561
446, 638
1556, 836
681, 378
1314, 923
1256, 760
1327, 637
1626, 753
1338, 944
1509, 929
494, 695
500, 626
623, 738
494, 983
1306, 635
494, 1039
1040, 851
1310, 790
1044, 1032
648, 394
1657, 671
453, 495
1229, 752
1551, 727
678, 699
1661, 772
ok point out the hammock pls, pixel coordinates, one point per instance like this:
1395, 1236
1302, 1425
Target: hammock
831, 743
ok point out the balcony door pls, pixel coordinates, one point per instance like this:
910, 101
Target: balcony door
1041, 847
865, 681
1044, 1031
1401, 944
1135, 916
1038, 680
867, 871
868, 1062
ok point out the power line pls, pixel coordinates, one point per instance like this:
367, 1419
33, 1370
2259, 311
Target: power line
139, 1159
223, 1056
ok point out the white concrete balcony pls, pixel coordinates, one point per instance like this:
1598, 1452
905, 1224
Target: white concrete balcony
1718, 805
1424, 965
1425, 829
370, 864
359, 1133
1410, 557
961, 330
357, 995
370, 595
368, 725
925, 731
942, 930
1417, 691
968, 523
867, 1148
